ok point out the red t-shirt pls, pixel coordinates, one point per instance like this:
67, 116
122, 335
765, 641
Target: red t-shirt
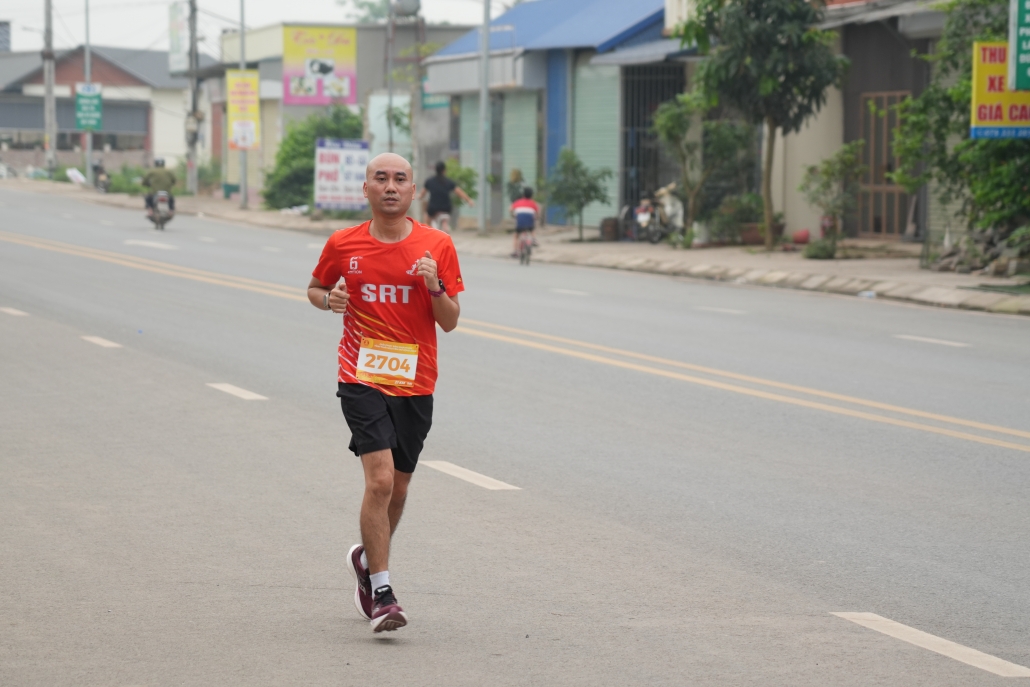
389, 307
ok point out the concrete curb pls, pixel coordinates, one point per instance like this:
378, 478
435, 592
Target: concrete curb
966, 299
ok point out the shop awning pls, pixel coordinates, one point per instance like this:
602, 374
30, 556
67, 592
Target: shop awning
646, 53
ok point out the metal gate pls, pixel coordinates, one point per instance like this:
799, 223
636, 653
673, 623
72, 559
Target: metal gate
646, 166
884, 209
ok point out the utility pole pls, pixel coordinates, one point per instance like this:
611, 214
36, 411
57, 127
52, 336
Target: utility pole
243, 153
89, 79
192, 123
391, 27
49, 103
484, 118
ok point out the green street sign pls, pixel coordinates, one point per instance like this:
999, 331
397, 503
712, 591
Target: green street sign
1019, 45
89, 108
431, 101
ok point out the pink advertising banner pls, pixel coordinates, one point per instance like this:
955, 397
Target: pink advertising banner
320, 65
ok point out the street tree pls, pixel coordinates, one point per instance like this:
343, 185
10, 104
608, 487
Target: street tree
719, 145
572, 186
367, 11
768, 61
988, 181
292, 180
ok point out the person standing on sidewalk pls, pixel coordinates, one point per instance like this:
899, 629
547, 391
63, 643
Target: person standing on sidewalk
393, 280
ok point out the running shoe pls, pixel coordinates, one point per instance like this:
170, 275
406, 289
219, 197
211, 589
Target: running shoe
386, 614
363, 590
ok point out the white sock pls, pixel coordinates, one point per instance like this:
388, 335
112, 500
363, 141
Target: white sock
364, 560
380, 579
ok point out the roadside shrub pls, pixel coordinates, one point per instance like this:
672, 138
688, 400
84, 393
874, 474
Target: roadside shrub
291, 182
466, 178
820, 249
127, 180
734, 211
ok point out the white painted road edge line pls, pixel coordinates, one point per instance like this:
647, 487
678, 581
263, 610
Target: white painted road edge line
939, 342
570, 292
728, 311
101, 342
237, 391
944, 647
150, 244
467, 475
15, 312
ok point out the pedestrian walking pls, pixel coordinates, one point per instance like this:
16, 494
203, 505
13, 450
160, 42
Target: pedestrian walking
393, 279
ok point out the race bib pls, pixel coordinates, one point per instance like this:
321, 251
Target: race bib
387, 362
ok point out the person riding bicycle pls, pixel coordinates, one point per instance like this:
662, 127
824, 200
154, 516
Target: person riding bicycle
440, 189
526, 213
159, 179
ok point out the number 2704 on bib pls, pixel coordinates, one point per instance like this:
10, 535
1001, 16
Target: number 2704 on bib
387, 362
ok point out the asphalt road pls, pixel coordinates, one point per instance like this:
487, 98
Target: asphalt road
706, 474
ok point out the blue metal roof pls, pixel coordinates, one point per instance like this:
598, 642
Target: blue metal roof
560, 24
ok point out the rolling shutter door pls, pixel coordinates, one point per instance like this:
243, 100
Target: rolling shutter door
595, 131
520, 136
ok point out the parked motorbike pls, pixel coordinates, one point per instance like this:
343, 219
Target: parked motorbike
670, 210
101, 179
649, 220
162, 213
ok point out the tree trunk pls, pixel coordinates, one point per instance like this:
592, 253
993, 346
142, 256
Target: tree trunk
581, 227
767, 207
688, 220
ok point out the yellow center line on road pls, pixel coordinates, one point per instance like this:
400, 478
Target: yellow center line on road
757, 380
297, 294
815, 405
157, 267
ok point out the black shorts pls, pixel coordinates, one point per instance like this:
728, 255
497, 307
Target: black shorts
378, 422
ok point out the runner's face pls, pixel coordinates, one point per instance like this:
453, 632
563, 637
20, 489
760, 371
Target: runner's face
389, 187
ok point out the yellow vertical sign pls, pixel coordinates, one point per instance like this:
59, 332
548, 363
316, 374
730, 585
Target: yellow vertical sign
997, 112
243, 108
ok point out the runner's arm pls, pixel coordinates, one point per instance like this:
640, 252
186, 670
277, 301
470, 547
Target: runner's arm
445, 308
464, 197
338, 295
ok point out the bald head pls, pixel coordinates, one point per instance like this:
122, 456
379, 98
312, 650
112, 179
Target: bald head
391, 163
388, 186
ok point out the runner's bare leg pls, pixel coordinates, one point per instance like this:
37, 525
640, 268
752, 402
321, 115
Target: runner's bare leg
400, 495
375, 517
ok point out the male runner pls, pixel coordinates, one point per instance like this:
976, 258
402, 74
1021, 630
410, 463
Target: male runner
440, 188
400, 279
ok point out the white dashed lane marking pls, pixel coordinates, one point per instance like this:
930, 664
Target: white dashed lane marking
467, 475
101, 342
14, 311
316, 245
207, 239
151, 244
570, 292
107, 222
726, 311
939, 342
944, 647
237, 391
271, 249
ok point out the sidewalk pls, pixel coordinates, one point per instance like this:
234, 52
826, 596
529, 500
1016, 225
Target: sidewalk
898, 278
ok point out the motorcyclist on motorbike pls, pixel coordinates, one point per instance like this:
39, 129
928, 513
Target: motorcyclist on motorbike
159, 179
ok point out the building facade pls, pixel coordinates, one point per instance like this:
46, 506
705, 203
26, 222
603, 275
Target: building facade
267, 49
550, 89
144, 108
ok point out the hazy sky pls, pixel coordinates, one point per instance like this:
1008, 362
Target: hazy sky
144, 23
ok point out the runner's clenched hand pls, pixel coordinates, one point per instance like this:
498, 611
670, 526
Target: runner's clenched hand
427, 270
338, 298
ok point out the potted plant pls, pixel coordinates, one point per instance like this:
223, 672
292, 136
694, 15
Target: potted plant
832, 186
